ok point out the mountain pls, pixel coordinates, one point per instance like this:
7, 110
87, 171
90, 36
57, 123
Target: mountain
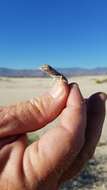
6, 72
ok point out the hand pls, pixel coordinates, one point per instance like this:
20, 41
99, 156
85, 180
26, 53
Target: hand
60, 153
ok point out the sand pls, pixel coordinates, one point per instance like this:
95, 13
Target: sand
13, 90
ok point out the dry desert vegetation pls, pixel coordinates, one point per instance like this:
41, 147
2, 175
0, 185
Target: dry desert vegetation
13, 90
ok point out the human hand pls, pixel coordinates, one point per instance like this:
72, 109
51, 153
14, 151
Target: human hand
62, 151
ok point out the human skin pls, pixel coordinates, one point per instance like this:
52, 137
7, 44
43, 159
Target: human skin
62, 151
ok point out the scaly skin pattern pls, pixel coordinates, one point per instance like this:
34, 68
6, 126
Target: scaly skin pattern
53, 72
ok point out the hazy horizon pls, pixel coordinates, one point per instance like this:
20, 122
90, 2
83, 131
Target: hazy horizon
33, 68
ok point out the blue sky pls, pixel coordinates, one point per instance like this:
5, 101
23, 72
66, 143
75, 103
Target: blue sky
63, 33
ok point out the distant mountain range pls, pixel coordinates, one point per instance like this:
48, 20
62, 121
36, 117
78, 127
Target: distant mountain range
6, 72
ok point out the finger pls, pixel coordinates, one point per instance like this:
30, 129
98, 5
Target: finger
55, 147
95, 119
34, 114
5, 141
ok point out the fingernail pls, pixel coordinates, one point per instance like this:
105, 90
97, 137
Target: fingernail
75, 97
58, 89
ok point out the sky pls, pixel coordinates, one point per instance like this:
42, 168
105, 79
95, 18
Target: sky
62, 33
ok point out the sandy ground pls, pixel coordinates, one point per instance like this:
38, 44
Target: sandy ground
13, 90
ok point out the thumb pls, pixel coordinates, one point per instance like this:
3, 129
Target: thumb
34, 114
59, 146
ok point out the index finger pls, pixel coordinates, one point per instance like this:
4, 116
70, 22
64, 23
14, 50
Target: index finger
34, 114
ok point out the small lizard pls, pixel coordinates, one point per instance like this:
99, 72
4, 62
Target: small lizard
53, 72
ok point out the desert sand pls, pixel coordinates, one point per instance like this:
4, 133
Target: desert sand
13, 90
